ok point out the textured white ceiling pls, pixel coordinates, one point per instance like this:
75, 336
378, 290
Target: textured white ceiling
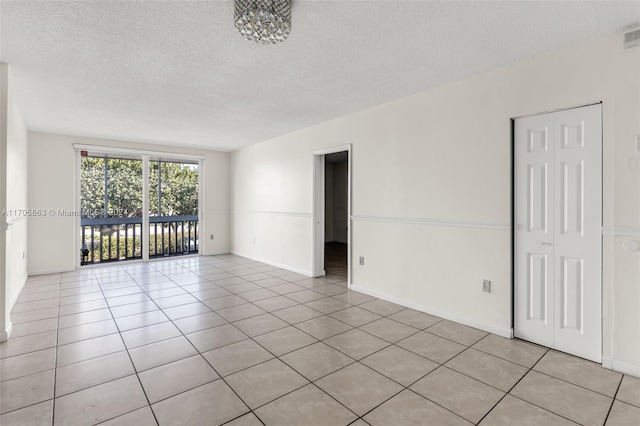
177, 72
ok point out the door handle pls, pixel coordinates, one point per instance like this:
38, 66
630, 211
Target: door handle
542, 243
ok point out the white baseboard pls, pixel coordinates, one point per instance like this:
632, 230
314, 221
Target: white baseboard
621, 366
277, 265
216, 252
15, 297
50, 271
4, 334
500, 331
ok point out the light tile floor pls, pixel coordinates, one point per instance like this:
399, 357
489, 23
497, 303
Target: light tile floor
226, 340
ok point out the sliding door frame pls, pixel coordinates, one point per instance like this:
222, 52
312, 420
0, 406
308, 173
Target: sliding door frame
144, 156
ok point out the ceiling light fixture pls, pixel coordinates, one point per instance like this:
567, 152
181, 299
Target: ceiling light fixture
263, 21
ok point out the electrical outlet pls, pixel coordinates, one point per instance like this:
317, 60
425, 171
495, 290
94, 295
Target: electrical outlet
211, 237
486, 286
254, 240
362, 260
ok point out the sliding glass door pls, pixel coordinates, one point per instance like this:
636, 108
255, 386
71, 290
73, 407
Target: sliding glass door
119, 220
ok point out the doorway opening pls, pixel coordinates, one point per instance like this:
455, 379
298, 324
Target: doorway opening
332, 214
336, 173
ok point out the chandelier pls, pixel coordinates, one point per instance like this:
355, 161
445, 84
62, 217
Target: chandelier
263, 21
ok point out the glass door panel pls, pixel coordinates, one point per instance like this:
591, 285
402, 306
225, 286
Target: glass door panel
173, 208
111, 209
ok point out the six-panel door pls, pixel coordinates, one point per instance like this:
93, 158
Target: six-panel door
558, 222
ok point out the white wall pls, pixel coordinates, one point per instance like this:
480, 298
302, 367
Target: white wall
17, 143
13, 171
52, 185
431, 190
5, 320
271, 202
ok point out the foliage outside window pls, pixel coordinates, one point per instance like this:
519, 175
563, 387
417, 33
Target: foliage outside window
178, 188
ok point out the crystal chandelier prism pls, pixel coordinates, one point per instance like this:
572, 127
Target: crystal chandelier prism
263, 21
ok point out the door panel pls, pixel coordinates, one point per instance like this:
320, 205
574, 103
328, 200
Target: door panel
558, 220
578, 248
534, 228
538, 198
537, 286
572, 197
572, 294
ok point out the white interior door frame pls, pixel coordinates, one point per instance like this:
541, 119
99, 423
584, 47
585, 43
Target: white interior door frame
319, 206
318, 215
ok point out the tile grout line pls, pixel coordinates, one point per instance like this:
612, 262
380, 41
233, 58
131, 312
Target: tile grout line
503, 358
440, 365
613, 401
250, 338
528, 402
161, 309
408, 387
55, 365
52, 399
271, 312
130, 360
574, 384
276, 357
36, 350
199, 353
545, 409
324, 314
252, 410
119, 332
509, 391
355, 360
473, 378
310, 382
242, 415
479, 380
436, 403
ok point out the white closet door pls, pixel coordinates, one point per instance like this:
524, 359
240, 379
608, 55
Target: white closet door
558, 254
578, 236
534, 152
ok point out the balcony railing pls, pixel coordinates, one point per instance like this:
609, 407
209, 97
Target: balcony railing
114, 239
